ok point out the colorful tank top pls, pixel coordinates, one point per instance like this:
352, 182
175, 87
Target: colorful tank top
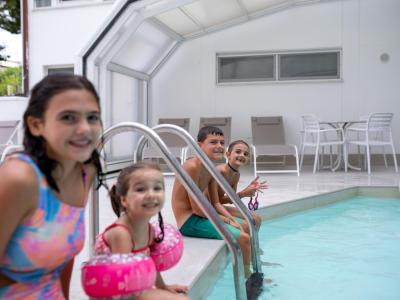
103, 247
41, 246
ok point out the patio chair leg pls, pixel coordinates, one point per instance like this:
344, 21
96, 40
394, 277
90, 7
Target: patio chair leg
365, 158
368, 159
384, 156
316, 159
302, 155
394, 159
345, 157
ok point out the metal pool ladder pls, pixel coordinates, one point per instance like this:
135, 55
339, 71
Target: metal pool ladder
256, 279
192, 189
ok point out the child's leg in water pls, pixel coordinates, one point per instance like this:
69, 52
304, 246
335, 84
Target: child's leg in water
236, 213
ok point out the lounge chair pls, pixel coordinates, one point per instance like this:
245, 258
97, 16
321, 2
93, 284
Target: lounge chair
269, 141
223, 123
177, 146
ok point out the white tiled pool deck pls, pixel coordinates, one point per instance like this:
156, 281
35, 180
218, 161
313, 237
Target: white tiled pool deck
282, 188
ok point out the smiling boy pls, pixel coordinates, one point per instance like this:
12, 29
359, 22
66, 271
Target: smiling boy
189, 217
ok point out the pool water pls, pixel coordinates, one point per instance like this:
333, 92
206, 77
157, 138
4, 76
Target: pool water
349, 250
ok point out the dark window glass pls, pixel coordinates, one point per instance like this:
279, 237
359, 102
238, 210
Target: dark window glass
309, 66
42, 3
60, 70
246, 68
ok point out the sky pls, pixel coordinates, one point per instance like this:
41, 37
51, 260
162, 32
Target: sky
13, 43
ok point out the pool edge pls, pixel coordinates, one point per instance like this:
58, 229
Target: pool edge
201, 285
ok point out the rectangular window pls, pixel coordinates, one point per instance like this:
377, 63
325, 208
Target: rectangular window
42, 3
278, 66
56, 70
304, 66
246, 68
57, 3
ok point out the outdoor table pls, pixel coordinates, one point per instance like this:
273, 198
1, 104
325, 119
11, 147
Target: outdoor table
342, 125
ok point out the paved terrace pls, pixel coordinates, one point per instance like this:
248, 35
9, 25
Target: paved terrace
198, 253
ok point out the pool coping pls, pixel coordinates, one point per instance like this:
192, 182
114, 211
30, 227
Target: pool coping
203, 282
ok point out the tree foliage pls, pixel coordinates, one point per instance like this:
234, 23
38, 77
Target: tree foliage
10, 78
10, 20
10, 16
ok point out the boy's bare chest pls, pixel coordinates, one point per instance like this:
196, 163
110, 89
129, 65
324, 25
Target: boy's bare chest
204, 180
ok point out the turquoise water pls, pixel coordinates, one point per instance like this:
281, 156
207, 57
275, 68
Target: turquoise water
349, 250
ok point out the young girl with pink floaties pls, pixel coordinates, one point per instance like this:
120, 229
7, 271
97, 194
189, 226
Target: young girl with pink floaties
137, 196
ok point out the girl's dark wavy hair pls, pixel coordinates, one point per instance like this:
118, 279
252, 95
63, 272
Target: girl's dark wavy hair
41, 95
121, 187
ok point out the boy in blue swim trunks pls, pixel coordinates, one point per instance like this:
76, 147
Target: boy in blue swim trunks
189, 217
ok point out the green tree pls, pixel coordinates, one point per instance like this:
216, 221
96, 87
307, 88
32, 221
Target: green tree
10, 77
10, 15
10, 19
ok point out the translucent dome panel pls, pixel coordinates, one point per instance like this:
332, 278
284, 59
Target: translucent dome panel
145, 48
211, 12
179, 22
253, 6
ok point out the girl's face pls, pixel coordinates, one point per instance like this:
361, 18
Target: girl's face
71, 125
145, 196
239, 155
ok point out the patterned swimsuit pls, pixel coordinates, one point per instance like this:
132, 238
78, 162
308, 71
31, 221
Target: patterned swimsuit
41, 246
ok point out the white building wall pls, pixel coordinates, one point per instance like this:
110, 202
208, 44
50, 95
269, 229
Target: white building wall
59, 34
11, 109
185, 86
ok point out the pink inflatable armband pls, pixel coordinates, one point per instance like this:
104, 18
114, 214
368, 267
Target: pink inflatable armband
167, 253
114, 275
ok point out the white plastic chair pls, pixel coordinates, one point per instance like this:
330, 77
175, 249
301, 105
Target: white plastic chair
376, 131
319, 137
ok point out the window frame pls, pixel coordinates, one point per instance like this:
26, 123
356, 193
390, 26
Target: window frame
55, 67
310, 78
233, 81
277, 71
69, 3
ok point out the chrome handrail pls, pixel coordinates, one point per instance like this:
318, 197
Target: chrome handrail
256, 261
10, 149
190, 186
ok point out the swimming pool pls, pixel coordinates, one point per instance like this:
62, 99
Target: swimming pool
346, 250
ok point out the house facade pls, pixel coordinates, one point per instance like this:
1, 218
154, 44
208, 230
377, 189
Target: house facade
151, 59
